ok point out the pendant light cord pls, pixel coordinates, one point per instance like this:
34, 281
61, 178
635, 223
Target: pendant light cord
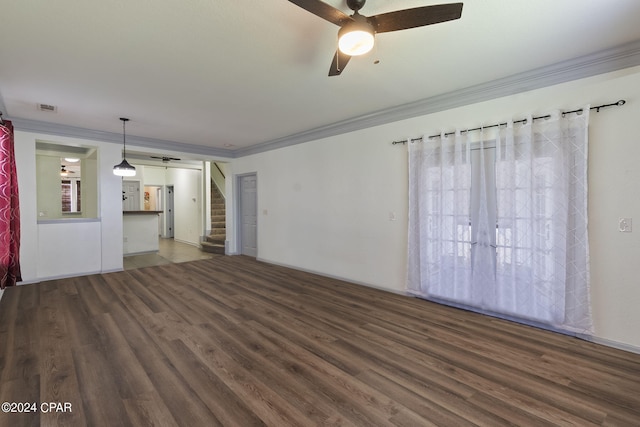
124, 137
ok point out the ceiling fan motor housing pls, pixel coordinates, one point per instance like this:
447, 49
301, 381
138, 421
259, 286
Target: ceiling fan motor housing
356, 4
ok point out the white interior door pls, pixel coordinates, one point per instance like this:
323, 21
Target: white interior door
169, 233
130, 195
248, 213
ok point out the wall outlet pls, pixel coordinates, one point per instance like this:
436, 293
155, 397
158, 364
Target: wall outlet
624, 225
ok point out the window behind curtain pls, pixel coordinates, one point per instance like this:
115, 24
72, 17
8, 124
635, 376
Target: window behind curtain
501, 225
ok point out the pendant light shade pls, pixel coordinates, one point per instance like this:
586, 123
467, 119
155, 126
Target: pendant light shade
124, 168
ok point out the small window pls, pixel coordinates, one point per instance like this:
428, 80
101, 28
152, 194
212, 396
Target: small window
67, 181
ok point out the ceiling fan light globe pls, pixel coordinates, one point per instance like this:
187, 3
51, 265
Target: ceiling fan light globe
356, 42
356, 37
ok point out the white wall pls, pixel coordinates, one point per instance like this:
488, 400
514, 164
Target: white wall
187, 202
77, 249
49, 195
153, 175
140, 232
70, 246
90, 188
326, 205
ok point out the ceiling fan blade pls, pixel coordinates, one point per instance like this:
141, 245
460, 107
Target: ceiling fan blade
416, 17
340, 61
164, 158
324, 11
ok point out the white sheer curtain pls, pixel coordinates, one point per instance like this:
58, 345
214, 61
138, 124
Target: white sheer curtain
500, 224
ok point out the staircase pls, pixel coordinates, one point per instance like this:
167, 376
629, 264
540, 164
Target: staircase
214, 242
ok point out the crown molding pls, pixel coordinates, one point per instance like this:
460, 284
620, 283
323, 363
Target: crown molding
609, 60
132, 140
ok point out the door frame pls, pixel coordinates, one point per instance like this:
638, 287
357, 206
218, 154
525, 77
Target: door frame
238, 211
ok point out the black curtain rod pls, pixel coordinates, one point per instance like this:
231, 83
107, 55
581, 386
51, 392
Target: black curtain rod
597, 108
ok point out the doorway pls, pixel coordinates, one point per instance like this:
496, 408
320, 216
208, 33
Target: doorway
247, 214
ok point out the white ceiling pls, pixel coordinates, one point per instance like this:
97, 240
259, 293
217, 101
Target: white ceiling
228, 75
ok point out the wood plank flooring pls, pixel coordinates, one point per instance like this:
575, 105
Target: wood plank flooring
234, 342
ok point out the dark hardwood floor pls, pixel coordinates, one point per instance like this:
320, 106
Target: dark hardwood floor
231, 341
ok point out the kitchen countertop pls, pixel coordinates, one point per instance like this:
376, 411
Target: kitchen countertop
141, 212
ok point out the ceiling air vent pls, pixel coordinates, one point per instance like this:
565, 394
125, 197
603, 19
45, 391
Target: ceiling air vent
48, 108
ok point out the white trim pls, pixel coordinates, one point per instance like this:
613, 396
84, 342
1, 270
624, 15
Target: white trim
593, 339
36, 126
331, 276
67, 276
68, 220
604, 61
608, 60
614, 344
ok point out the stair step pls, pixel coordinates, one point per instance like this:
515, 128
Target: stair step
219, 239
218, 218
214, 248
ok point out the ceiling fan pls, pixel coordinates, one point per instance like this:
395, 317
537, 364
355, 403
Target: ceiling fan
164, 159
356, 34
64, 171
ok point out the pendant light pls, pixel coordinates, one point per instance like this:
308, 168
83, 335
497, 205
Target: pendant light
124, 168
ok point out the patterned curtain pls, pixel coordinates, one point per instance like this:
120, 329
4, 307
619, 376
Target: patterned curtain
9, 210
499, 223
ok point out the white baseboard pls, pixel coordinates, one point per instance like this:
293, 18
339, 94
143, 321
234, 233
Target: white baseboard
197, 245
597, 340
68, 276
331, 276
615, 344
139, 253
